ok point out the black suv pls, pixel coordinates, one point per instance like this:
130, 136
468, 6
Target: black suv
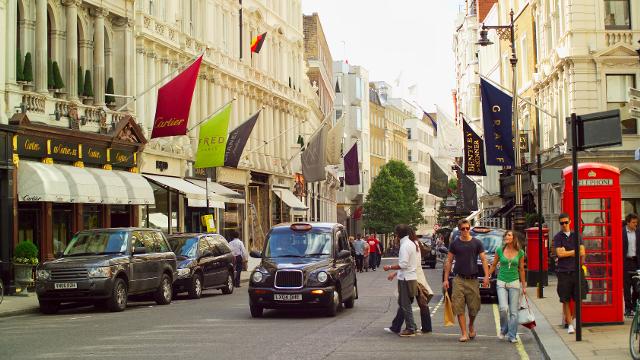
104, 266
304, 265
204, 261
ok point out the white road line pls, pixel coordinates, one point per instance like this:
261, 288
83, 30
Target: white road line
435, 308
519, 346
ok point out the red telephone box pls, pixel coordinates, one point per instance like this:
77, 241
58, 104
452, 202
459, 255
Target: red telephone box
600, 219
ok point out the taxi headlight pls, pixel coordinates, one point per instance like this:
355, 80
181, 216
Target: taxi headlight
257, 277
99, 272
183, 272
322, 276
43, 274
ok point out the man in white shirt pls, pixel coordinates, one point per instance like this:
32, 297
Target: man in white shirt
407, 282
240, 255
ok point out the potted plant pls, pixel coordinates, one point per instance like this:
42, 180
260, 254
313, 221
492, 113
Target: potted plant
110, 100
28, 73
19, 70
25, 257
51, 84
58, 84
87, 91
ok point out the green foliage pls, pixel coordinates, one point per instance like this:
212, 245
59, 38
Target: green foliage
19, 70
28, 68
393, 199
80, 82
51, 83
88, 85
453, 186
109, 99
532, 218
57, 77
25, 252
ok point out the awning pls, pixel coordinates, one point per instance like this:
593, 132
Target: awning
112, 189
161, 221
138, 188
190, 190
82, 184
220, 192
291, 200
203, 203
42, 182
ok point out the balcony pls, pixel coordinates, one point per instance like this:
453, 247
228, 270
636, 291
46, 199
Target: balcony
616, 36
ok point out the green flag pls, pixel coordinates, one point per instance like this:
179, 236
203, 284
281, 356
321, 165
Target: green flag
212, 142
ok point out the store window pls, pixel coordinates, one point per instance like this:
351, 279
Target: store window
29, 220
91, 217
617, 15
159, 213
618, 98
62, 215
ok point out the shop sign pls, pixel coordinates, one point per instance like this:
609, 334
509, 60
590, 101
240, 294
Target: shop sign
92, 154
31, 146
595, 182
122, 158
201, 173
62, 150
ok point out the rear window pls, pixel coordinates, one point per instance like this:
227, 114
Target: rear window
185, 246
285, 242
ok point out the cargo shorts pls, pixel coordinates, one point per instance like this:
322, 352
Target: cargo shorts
465, 292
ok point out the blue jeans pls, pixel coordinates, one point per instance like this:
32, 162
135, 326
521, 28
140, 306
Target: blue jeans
405, 311
509, 303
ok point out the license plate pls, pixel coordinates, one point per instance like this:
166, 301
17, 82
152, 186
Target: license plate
65, 285
482, 286
287, 297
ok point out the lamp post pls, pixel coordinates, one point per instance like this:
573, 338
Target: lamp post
507, 32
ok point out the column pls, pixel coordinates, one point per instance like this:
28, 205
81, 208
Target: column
11, 24
140, 104
98, 56
130, 78
150, 97
72, 48
211, 92
41, 47
3, 60
202, 99
218, 91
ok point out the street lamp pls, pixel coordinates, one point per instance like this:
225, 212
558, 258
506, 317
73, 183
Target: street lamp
507, 32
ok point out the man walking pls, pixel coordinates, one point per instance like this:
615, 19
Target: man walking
407, 283
358, 246
631, 258
374, 251
240, 255
565, 242
465, 249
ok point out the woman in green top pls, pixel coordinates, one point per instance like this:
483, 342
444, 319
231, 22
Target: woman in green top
511, 282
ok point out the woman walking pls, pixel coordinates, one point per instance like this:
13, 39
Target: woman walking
511, 283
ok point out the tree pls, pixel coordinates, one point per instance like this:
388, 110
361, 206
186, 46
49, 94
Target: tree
28, 68
109, 99
51, 83
19, 71
88, 86
393, 199
80, 82
57, 77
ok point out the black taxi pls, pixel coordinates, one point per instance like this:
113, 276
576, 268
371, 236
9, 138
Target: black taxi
304, 265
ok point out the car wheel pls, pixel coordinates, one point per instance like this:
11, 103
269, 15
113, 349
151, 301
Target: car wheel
163, 294
195, 291
118, 300
334, 306
352, 300
228, 288
256, 311
49, 307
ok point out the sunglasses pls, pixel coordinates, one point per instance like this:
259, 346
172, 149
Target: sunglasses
465, 228
564, 222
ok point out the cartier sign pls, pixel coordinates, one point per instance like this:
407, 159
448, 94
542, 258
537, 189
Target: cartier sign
92, 154
122, 158
62, 150
31, 146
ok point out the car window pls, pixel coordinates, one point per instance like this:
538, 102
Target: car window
288, 243
204, 246
184, 245
148, 241
491, 239
342, 241
211, 242
222, 245
136, 239
161, 244
97, 242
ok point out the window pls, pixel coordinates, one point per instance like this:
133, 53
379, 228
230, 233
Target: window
409, 155
618, 98
616, 14
358, 88
409, 133
338, 114
358, 119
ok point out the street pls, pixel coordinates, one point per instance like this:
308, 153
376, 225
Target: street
220, 327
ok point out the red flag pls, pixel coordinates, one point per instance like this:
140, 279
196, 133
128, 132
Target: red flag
257, 42
174, 102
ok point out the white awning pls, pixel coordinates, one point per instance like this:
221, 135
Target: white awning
190, 190
203, 203
161, 221
83, 186
112, 189
42, 182
139, 190
219, 192
291, 200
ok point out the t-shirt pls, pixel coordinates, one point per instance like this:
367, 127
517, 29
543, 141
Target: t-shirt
358, 246
568, 242
509, 267
466, 255
373, 244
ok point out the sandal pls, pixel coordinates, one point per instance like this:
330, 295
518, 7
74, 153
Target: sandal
463, 339
471, 337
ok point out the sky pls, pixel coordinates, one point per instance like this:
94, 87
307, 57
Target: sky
405, 40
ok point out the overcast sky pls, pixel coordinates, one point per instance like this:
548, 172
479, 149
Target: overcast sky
406, 39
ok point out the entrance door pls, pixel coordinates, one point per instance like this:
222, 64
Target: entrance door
61, 223
29, 224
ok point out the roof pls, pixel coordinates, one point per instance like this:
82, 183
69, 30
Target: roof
325, 225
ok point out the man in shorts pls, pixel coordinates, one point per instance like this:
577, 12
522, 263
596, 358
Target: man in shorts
565, 243
465, 249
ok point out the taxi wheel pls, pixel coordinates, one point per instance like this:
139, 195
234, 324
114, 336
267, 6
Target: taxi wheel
256, 311
334, 306
352, 300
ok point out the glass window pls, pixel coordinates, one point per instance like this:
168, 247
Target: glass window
358, 88
597, 236
409, 133
148, 241
358, 118
616, 14
288, 243
160, 243
98, 242
61, 219
618, 97
185, 246
29, 216
222, 245
91, 216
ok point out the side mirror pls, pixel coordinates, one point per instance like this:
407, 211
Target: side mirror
139, 250
344, 254
255, 254
58, 255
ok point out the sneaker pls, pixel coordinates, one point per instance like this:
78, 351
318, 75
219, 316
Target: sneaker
571, 330
501, 336
390, 331
407, 333
513, 341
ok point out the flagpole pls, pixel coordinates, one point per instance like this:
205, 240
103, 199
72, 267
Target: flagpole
135, 98
215, 112
266, 142
519, 97
324, 122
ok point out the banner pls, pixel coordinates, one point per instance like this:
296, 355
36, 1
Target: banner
449, 141
313, 157
174, 102
334, 142
351, 166
439, 181
212, 142
473, 152
496, 119
469, 194
238, 140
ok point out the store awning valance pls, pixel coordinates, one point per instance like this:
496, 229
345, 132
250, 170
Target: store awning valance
290, 199
42, 182
113, 190
83, 186
139, 190
219, 192
190, 190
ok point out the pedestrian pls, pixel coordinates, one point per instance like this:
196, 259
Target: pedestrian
511, 283
407, 282
365, 263
465, 249
358, 245
565, 243
631, 260
351, 246
240, 255
374, 251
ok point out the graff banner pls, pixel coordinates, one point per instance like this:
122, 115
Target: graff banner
496, 118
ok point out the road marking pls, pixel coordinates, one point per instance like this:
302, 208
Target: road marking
519, 346
435, 308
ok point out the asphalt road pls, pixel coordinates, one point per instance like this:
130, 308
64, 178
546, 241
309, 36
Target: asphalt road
220, 327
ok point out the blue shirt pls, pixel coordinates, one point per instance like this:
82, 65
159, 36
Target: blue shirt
358, 246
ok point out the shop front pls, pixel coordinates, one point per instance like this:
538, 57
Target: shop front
6, 203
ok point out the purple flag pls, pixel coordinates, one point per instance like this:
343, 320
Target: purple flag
351, 168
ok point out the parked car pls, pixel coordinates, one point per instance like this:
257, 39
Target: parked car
428, 251
491, 239
204, 262
304, 265
105, 266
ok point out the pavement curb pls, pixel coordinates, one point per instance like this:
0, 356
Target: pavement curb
549, 342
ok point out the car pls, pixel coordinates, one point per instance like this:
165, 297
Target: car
304, 265
427, 251
105, 266
204, 262
491, 239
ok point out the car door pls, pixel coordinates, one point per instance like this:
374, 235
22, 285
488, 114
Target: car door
206, 261
141, 264
345, 267
224, 260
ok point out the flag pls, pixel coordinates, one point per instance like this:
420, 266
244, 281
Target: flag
438, 182
469, 194
238, 138
313, 157
174, 102
334, 143
473, 152
450, 144
351, 166
496, 119
212, 142
256, 43
433, 123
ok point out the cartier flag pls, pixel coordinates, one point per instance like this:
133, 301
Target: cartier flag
473, 152
238, 140
351, 166
174, 102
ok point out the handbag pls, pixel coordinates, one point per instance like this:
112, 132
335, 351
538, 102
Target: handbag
448, 310
525, 315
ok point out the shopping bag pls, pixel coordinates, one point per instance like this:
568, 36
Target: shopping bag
448, 310
525, 315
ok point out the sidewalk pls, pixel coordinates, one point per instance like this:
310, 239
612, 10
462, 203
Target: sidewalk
19, 305
598, 342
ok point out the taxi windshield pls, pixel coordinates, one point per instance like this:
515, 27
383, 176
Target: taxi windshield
288, 243
491, 238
